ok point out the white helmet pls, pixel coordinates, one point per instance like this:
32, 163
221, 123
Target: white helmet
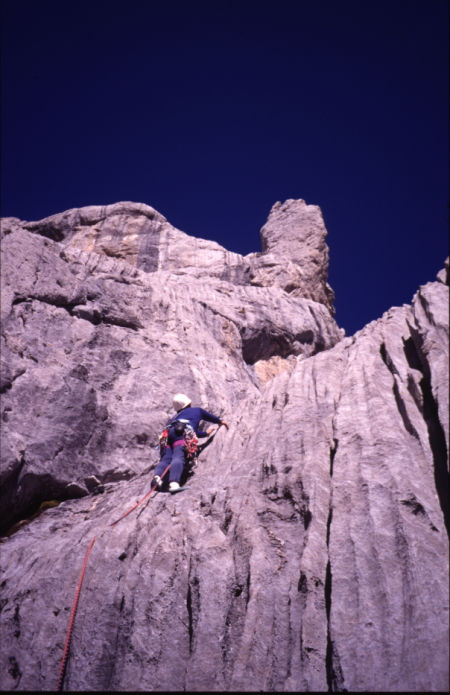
180, 401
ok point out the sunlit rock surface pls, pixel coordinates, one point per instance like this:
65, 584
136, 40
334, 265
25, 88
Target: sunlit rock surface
310, 551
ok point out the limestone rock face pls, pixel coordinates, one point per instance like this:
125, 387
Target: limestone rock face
104, 315
310, 551
294, 253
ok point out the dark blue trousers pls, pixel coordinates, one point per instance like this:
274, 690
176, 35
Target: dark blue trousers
174, 456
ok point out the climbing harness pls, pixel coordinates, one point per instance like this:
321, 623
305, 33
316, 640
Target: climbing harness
188, 438
192, 450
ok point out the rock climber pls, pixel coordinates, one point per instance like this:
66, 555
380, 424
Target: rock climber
174, 453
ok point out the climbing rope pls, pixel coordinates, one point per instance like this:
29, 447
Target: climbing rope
72, 617
62, 669
77, 595
140, 501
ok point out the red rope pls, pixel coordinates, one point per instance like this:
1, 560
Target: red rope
140, 501
75, 603
72, 617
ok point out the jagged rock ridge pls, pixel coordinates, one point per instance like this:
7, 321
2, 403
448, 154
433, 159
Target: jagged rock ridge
311, 550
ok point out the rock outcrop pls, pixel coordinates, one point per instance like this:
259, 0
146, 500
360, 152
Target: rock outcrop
310, 551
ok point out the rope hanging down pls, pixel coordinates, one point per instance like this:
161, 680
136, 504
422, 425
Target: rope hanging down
80, 581
140, 501
72, 617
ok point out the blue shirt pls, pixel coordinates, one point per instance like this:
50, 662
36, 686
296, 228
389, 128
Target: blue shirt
194, 415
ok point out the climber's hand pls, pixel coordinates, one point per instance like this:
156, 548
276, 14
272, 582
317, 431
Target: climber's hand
224, 424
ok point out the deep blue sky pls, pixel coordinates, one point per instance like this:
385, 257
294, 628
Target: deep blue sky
211, 111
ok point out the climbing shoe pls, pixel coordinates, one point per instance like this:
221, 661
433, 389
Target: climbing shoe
174, 486
156, 481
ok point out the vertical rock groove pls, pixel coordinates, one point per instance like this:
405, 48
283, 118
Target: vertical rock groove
409, 427
333, 669
189, 610
335, 678
333, 451
413, 349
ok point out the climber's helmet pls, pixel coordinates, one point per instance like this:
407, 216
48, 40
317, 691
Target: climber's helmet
181, 401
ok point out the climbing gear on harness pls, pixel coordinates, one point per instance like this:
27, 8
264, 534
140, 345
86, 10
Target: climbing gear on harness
163, 439
189, 440
180, 401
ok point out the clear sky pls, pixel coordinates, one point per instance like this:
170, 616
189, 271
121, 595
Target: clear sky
211, 111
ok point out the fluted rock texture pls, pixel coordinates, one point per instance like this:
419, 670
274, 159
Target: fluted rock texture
310, 551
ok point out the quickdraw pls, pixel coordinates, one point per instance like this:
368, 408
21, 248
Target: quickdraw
163, 440
190, 443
